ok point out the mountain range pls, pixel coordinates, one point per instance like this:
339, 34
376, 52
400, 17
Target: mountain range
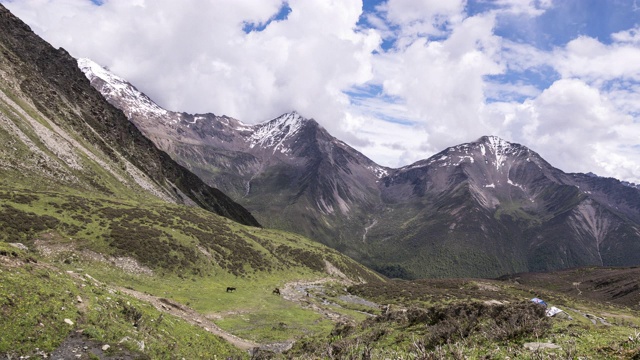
480, 209
75, 171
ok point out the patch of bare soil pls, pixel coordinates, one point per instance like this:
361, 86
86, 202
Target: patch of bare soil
334, 271
49, 248
486, 286
78, 346
301, 292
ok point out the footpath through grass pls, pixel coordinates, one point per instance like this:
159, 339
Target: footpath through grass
41, 306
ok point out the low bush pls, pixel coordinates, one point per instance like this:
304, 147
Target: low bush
19, 226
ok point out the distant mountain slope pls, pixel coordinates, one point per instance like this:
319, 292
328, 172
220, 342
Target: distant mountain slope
63, 133
496, 207
482, 209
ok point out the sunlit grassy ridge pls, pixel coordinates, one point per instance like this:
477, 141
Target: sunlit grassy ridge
166, 238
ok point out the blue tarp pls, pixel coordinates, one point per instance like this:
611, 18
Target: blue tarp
539, 301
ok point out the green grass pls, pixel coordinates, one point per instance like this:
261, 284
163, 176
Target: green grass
35, 300
278, 323
193, 255
251, 312
447, 319
84, 225
164, 336
168, 238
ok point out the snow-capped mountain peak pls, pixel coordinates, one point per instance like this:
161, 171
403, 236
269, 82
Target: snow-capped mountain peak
273, 134
478, 195
116, 87
93, 69
490, 150
500, 149
498, 145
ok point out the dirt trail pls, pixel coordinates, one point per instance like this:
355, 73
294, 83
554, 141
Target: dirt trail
296, 291
191, 316
187, 314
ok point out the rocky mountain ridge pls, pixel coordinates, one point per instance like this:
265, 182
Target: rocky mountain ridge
485, 208
72, 137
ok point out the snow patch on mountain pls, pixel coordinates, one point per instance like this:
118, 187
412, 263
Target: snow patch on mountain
274, 133
500, 149
462, 159
515, 184
379, 171
117, 87
240, 126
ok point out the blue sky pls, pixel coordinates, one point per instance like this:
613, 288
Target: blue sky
398, 79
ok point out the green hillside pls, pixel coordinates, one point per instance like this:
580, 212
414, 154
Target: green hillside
44, 309
184, 255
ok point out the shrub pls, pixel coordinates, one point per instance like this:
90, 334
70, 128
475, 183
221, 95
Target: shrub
18, 225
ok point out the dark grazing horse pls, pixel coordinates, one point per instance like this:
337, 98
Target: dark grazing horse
276, 291
231, 289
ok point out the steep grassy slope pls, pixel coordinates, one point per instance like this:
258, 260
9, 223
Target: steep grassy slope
59, 131
164, 238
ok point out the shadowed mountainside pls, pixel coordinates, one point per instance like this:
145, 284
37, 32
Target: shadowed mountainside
43, 88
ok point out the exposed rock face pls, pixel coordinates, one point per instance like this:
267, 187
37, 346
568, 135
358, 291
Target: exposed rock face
55, 116
484, 208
